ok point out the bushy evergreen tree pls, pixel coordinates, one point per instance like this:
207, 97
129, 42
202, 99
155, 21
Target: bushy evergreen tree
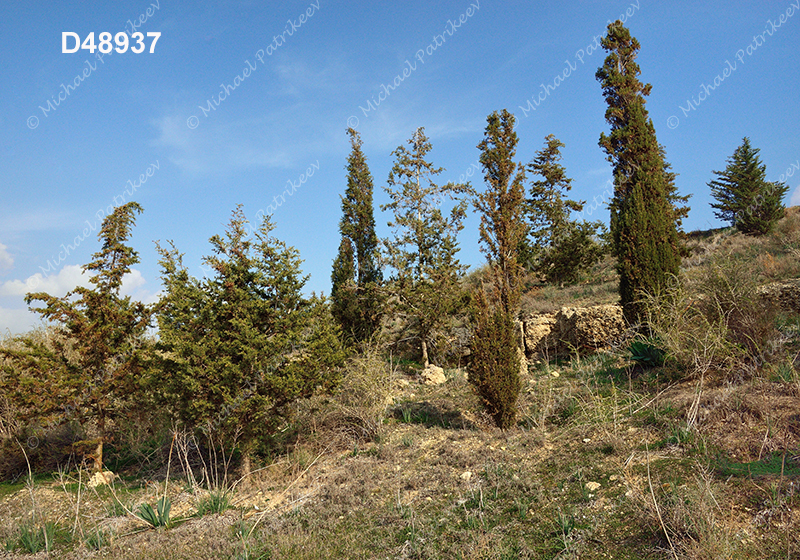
425, 286
241, 345
97, 355
356, 276
644, 212
556, 247
496, 356
744, 197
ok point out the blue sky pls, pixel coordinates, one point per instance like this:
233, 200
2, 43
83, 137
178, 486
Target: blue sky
243, 100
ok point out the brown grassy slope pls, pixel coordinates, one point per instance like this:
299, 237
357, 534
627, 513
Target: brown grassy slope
608, 460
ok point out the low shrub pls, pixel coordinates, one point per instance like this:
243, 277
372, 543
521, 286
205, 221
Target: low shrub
715, 320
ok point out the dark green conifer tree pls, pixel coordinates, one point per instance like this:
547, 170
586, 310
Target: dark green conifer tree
240, 346
356, 277
497, 357
501, 207
744, 197
644, 214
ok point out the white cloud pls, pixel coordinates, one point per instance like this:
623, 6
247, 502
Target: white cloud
68, 278
20, 320
133, 285
6, 260
17, 321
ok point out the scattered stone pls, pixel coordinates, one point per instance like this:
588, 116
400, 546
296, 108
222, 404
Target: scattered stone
592, 486
101, 479
433, 375
466, 475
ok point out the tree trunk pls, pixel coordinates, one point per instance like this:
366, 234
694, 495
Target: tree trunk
425, 361
98, 456
246, 466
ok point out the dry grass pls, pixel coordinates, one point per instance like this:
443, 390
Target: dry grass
598, 286
433, 485
607, 460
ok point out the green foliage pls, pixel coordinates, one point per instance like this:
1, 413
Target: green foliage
646, 354
356, 277
94, 361
217, 501
238, 347
644, 212
97, 540
158, 517
34, 538
425, 286
495, 357
744, 197
495, 362
559, 248
502, 227
773, 465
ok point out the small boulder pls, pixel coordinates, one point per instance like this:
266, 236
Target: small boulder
433, 375
101, 479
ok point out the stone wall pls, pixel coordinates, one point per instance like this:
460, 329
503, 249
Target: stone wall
582, 329
785, 295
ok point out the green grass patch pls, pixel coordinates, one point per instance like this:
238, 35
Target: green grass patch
774, 465
8, 488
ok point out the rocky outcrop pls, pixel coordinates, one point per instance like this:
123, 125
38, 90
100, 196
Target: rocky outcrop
573, 329
785, 295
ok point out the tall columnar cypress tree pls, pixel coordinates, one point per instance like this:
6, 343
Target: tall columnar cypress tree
496, 356
744, 197
423, 251
644, 215
356, 275
501, 205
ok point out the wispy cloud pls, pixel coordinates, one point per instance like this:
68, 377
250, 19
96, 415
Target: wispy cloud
220, 148
6, 260
41, 220
795, 199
